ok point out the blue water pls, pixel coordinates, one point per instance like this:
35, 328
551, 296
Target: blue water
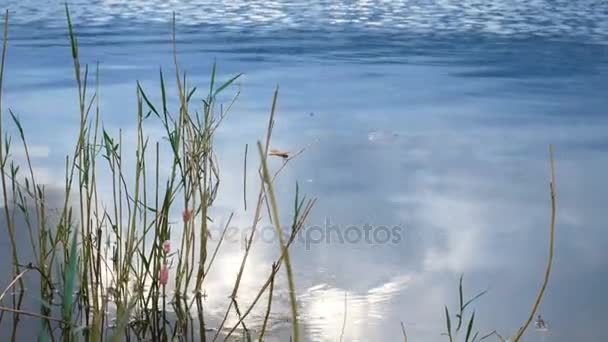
433, 116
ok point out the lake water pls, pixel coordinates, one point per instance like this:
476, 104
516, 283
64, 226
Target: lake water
434, 117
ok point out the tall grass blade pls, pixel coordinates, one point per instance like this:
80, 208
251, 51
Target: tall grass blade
226, 85
448, 323
276, 219
70, 280
143, 94
470, 327
541, 291
474, 298
73, 40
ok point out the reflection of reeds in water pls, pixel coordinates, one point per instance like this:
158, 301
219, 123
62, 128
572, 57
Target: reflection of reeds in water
108, 264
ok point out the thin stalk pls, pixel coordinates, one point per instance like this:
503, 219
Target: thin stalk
541, 291
278, 263
345, 316
268, 306
9, 223
277, 224
245, 178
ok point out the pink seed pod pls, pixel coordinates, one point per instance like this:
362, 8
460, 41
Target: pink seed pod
186, 215
167, 246
164, 275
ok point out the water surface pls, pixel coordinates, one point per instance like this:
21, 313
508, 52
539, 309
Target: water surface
431, 116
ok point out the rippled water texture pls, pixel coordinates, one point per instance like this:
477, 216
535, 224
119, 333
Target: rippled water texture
545, 18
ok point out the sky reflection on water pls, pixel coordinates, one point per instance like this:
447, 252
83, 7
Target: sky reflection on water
432, 116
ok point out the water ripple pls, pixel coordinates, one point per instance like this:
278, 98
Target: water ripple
547, 18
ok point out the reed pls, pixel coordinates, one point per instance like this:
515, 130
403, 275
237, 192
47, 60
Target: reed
104, 266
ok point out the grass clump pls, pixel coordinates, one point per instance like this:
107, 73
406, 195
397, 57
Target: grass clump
104, 267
